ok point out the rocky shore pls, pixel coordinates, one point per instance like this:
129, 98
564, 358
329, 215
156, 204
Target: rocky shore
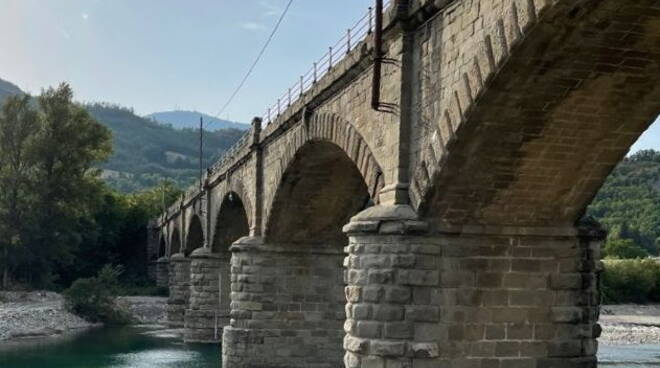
42, 314
629, 324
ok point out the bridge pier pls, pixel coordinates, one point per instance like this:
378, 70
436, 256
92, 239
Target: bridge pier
287, 306
470, 296
179, 283
208, 309
162, 277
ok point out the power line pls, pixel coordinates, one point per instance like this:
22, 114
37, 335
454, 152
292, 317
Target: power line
254, 64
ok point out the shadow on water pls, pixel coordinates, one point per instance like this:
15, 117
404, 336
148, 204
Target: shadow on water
116, 347
629, 356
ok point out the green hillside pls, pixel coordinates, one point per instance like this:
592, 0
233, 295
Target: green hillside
628, 204
146, 152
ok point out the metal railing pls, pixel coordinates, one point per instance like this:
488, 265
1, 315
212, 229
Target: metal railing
351, 39
335, 54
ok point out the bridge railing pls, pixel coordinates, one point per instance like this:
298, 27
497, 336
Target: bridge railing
336, 53
351, 39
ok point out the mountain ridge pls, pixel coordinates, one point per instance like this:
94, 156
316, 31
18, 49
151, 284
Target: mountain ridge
190, 119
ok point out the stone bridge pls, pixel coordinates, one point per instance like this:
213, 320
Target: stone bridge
444, 230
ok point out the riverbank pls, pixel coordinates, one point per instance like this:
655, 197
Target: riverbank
629, 324
42, 314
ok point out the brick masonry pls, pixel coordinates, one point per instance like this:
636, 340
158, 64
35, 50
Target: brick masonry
179, 282
208, 307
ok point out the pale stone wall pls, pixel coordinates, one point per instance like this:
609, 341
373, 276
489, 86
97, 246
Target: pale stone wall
287, 307
206, 314
179, 282
162, 272
471, 300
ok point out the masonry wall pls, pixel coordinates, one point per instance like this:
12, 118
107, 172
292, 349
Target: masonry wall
179, 277
472, 301
207, 312
287, 309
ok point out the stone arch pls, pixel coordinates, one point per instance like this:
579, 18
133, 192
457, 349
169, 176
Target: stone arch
232, 222
162, 246
320, 190
555, 96
175, 242
194, 235
324, 134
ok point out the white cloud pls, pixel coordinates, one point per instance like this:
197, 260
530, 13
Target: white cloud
270, 9
84, 16
252, 26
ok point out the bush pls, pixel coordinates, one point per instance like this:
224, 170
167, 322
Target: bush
624, 249
93, 298
631, 281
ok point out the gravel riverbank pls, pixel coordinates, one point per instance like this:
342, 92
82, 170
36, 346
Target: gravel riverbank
42, 314
629, 324
35, 314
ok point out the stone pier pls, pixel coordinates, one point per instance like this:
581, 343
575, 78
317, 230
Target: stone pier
470, 297
287, 306
179, 282
208, 309
162, 272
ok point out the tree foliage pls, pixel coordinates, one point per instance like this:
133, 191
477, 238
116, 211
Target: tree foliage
628, 205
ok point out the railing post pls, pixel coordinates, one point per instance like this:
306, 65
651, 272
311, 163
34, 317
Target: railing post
301, 85
315, 72
330, 58
348, 41
278, 107
371, 20
289, 96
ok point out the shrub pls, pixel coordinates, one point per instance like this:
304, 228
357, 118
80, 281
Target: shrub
624, 249
631, 281
93, 298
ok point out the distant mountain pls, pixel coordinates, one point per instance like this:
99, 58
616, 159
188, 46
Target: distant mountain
190, 119
8, 89
146, 152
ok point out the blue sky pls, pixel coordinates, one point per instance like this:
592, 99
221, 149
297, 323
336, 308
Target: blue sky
156, 55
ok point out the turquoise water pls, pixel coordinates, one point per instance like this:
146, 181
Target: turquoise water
134, 347
630, 356
127, 347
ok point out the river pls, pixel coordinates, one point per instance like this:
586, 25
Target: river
141, 347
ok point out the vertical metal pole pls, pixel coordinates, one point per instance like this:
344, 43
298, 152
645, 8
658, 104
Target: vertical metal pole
348, 41
201, 150
371, 21
314, 72
330, 58
289, 96
301, 85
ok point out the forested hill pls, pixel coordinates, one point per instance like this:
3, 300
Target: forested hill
8, 89
146, 152
190, 119
629, 202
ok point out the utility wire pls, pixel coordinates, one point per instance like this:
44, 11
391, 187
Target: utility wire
254, 64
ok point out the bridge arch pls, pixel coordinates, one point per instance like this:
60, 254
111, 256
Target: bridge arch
321, 188
232, 222
554, 98
328, 139
162, 246
175, 242
194, 235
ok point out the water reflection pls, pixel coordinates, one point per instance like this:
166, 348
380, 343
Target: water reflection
110, 348
629, 356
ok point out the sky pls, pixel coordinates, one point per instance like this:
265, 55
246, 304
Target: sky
157, 55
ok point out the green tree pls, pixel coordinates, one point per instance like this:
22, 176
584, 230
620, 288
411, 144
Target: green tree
49, 182
18, 122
